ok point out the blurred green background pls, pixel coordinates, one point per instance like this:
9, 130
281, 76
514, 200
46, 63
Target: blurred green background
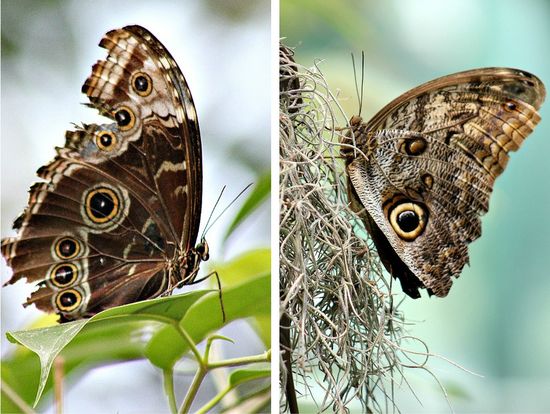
496, 319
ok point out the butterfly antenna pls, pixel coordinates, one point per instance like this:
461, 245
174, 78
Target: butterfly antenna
359, 91
212, 212
208, 224
362, 81
355, 80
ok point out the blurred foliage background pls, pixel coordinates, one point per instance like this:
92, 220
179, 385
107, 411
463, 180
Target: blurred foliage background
497, 317
48, 48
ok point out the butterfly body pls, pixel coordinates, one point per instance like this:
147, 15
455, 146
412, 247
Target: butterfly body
421, 171
116, 218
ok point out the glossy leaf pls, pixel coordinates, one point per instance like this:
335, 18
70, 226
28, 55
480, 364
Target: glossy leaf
243, 267
241, 376
129, 320
246, 266
250, 298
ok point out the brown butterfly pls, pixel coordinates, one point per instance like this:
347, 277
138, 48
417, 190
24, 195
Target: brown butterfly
117, 216
421, 171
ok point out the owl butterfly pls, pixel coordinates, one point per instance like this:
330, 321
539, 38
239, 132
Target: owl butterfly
421, 171
116, 218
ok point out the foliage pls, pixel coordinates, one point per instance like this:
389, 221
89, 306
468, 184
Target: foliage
162, 330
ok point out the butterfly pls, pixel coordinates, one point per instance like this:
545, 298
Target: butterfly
115, 219
420, 173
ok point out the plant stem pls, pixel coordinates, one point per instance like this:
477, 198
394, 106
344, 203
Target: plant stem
265, 357
200, 374
192, 346
209, 342
193, 389
169, 389
203, 370
16, 399
213, 401
58, 374
210, 404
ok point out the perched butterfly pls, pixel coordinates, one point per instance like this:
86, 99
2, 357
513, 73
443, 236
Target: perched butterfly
117, 216
421, 171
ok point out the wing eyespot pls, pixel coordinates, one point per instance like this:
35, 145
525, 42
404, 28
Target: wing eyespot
106, 140
408, 219
67, 248
63, 275
102, 205
414, 146
68, 300
125, 118
141, 83
510, 106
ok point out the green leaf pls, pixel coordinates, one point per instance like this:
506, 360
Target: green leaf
47, 343
21, 368
243, 267
259, 193
108, 331
262, 326
171, 308
246, 266
255, 402
241, 376
250, 298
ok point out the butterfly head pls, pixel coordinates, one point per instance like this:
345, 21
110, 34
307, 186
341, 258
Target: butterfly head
355, 121
359, 140
202, 251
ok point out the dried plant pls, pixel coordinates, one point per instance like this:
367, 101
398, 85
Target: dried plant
342, 334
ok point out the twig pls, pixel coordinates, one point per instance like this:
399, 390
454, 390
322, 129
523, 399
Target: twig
58, 374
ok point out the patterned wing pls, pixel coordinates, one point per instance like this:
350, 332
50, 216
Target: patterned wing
426, 164
141, 81
120, 200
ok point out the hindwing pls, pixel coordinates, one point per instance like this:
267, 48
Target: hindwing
422, 170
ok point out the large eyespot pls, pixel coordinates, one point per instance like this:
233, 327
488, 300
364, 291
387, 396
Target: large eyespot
106, 140
125, 118
63, 275
68, 300
102, 205
408, 220
67, 248
141, 83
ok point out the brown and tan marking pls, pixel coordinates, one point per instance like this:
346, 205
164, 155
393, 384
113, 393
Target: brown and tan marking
116, 218
437, 149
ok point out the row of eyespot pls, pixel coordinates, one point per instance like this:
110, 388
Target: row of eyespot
124, 116
101, 205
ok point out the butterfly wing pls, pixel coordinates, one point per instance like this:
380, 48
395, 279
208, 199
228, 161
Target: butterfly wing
426, 164
119, 200
140, 74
